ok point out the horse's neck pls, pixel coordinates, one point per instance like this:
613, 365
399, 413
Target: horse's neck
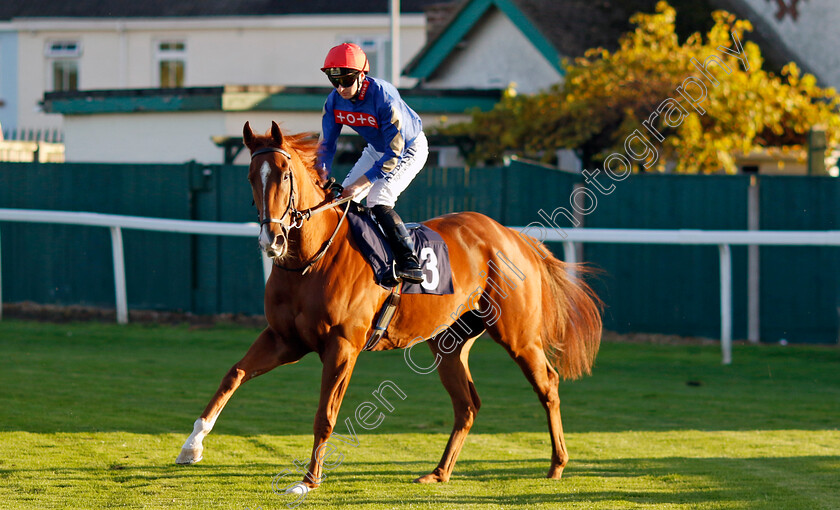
315, 231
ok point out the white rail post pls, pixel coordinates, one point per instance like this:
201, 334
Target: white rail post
570, 254
394, 12
753, 264
119, 274
725, 303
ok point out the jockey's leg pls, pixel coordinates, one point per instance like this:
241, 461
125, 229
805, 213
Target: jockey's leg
381, 199
365, 162
408, 265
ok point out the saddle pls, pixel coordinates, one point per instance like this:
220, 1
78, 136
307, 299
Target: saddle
432, 253
429, 246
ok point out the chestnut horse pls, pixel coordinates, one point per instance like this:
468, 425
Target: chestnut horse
541, 316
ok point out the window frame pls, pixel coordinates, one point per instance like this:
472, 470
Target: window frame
69, 74
63, 56
177, 55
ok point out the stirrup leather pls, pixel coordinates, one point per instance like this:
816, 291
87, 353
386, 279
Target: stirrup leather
389, 308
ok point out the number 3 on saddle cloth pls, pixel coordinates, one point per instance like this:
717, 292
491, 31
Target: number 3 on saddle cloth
429, 246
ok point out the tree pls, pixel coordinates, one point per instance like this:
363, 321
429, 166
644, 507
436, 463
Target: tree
607, 96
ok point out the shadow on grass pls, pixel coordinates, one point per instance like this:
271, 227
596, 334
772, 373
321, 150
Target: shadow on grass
99, 381
744, 483
728, 482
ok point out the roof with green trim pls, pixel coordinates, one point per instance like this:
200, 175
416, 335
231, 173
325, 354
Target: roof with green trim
233, 98
557, 28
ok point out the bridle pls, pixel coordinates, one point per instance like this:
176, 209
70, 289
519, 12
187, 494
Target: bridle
296, 217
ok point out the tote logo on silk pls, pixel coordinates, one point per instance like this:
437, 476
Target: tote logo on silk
355, 119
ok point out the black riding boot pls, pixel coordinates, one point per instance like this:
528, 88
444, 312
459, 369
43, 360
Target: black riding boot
408, 266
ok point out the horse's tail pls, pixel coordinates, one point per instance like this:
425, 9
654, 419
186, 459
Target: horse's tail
572, 324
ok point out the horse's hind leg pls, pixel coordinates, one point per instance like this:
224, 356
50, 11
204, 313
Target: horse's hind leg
456, 378
544, 378
267, 352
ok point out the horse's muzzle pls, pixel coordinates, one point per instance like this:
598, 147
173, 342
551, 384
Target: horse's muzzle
275, 246
275, 252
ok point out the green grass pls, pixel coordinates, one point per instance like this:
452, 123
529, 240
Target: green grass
93, 416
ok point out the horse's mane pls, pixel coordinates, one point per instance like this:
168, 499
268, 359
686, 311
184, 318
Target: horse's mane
305, 145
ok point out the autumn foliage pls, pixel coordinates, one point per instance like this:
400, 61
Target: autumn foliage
607, 96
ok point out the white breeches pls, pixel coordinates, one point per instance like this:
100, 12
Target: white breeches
386, 190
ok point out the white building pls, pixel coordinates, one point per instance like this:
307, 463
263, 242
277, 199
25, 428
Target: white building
126, 82
103, 72
65, 46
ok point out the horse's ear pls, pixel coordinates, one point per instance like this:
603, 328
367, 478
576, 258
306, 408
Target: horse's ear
276, 135
247, 134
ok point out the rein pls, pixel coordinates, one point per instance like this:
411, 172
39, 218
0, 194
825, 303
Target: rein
296, 217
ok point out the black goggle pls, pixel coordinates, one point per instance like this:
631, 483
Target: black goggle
345, 81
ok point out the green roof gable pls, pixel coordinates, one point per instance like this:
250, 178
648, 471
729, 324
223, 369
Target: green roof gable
436, 52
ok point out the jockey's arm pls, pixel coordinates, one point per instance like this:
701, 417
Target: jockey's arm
358, 186
329, 141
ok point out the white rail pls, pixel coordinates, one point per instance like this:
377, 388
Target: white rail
721, 238
116, 223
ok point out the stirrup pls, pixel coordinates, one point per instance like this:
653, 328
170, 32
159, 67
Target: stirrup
391, 278
411, 275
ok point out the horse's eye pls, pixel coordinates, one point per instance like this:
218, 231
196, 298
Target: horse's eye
285, 177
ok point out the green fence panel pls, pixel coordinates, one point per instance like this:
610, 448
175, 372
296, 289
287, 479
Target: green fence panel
205, 196
241, 282
669, 289
530, 188
657, 289
800, 286
58, 264
438, 191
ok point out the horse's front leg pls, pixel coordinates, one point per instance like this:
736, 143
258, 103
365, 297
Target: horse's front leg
339, 359
268, 351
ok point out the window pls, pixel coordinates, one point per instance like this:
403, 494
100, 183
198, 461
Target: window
377, 50
171, 59
65, 74
63, 60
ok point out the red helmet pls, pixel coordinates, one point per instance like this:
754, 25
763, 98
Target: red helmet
347, 56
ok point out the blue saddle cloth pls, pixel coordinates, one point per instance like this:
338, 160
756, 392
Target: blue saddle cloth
429, 246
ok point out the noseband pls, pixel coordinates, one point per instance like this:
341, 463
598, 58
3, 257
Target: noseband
295, 217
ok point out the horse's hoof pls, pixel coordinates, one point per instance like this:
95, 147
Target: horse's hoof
431, 478
299, 489
555, 473
189, 456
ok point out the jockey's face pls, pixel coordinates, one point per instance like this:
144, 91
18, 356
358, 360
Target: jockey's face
351, 91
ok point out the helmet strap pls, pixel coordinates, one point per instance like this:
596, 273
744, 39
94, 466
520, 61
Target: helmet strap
359, 80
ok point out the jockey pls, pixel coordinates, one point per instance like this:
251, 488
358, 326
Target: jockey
396, 146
